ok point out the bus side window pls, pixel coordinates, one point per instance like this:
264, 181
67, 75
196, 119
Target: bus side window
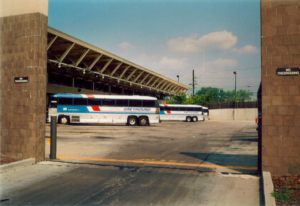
65, 101
148, 103
190, 109
169, 108
122, 102
175, 109
162, 108
94, 102
135, 103
80, 101
109, 102
182, 109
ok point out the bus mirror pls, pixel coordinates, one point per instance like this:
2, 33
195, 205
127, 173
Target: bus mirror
157, 110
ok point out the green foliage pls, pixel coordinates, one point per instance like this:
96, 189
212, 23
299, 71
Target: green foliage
295, 187
285, 191
177, 100
208, 95
282, 197
219, 95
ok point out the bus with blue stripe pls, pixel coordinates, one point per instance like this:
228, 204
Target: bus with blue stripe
86, 108
189, 113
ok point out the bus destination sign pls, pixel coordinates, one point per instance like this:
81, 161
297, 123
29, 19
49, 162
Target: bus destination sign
287, 71
21, 79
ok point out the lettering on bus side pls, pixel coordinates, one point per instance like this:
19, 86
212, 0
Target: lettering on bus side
137, 109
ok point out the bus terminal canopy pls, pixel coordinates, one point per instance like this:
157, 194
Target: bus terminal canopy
71, 57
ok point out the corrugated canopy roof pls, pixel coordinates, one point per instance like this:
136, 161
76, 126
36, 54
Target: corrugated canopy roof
72, 57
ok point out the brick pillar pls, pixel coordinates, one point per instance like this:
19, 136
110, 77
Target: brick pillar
280, 27
23, 54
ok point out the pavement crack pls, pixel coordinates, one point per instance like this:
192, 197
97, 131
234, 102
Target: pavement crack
111, 188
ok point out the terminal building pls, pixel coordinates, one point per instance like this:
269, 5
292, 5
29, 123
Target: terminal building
74, 66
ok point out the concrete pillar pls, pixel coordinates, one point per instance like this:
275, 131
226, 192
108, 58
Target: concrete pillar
24, 54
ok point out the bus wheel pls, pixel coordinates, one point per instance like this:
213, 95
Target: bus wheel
143, 121
64, 120
131, 121
188, 119
195, 119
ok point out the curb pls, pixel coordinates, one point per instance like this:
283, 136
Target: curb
268, 188
15, 165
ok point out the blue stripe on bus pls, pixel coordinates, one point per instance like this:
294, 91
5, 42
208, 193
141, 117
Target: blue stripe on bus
67, 95
84, 109
162, 113
182, 114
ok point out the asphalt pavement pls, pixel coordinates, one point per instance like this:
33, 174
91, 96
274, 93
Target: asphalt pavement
203, 163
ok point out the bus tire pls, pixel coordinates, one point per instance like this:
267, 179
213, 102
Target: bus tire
143, 121
132, 121
64, 120
188, 119
194, 119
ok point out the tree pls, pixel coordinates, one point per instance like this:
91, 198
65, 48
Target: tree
207, 95
177, 99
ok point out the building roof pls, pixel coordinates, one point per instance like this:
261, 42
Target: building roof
69, 56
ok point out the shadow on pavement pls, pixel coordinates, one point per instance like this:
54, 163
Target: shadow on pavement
229, 160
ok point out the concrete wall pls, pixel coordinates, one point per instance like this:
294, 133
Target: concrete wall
280, 47
23, 54
228, 114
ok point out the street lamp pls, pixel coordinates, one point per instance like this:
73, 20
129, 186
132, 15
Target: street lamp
235, 95
178, 77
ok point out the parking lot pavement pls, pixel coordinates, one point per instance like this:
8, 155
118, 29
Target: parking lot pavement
70, 184
209, 146
173, 163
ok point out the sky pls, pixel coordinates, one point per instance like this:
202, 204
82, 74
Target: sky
172, 37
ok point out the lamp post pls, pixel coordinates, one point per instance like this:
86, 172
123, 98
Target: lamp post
178, 77
235, 96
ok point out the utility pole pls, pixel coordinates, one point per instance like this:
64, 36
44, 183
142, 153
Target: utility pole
235, 95
193, 84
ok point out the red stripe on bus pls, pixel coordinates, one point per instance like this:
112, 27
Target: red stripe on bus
90, 96
165, 105
168, 112
96, 109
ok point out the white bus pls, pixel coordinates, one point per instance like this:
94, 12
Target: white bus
86, 108
205, 113
189, 113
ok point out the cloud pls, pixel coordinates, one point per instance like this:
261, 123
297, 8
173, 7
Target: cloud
171, 63
217, 40
186, 45
221, 63
159, 64
125, 45
248, 49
